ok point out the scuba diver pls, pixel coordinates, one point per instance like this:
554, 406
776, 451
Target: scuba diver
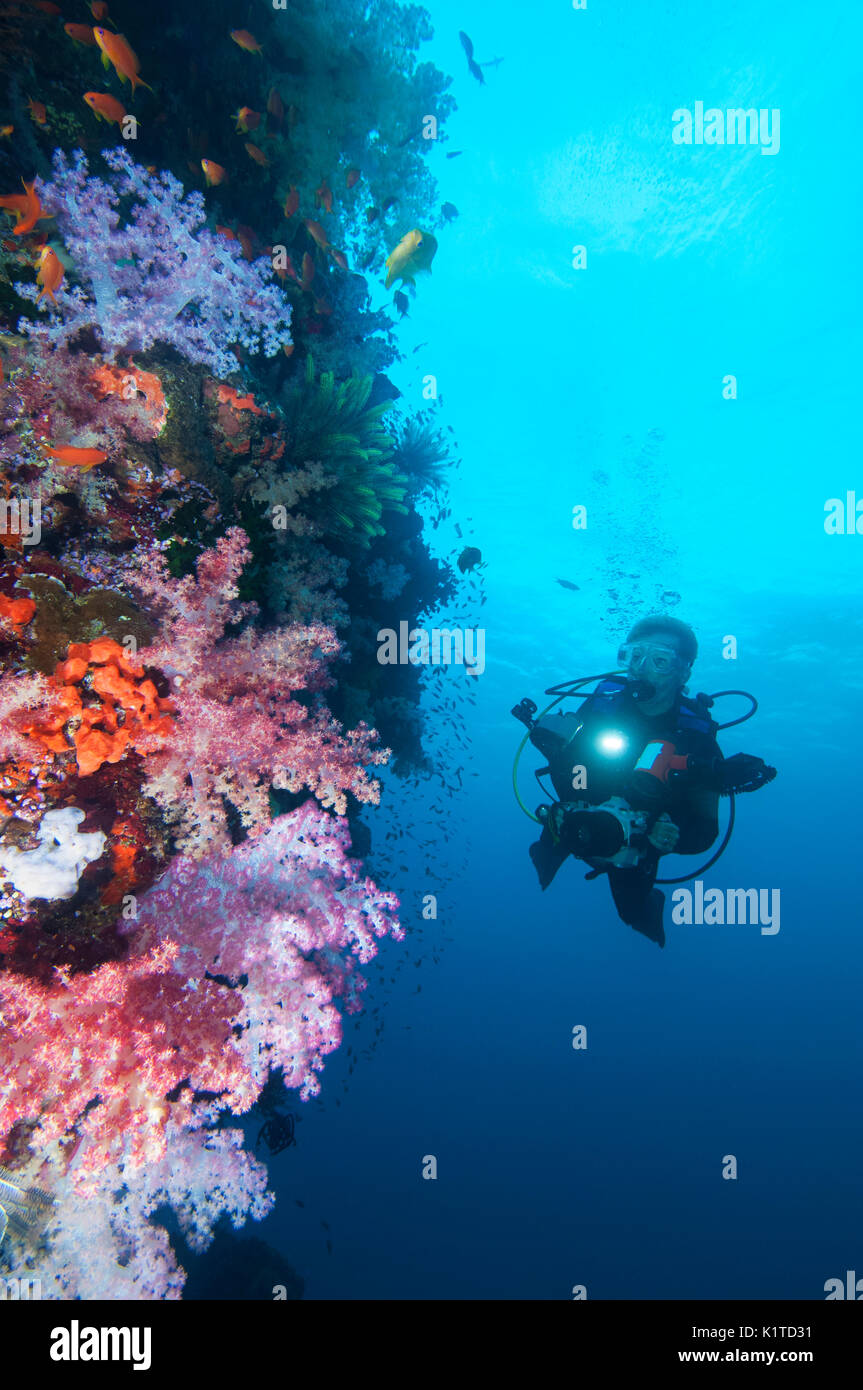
637, 771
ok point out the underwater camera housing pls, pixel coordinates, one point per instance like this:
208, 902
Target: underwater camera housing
524, 712
611, 835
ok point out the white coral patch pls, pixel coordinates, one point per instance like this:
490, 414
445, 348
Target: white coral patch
53, 869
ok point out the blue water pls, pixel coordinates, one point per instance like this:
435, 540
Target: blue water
603, 386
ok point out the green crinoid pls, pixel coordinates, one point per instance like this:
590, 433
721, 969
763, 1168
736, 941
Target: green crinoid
332, 424
355, 507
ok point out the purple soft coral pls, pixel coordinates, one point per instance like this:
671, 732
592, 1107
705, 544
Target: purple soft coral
286, 916
156, 273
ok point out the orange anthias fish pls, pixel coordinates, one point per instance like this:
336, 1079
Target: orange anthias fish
352, 177
213, 172
26, 207
99, 11
257, 155
46, 6
247, 41
246, 119
292, 202
116, 51
308, 271
226, 231
287, 270
37, 111
340, 258
105, 107
50, 273
275, 106
14, 203
6, 131
324, 196
246, 238
316, 231
81, 33
70, 457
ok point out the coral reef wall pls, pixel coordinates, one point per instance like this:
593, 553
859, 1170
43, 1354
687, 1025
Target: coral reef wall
209, 507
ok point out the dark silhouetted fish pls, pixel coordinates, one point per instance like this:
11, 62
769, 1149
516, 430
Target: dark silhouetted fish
567, 584
473, 66
469, 559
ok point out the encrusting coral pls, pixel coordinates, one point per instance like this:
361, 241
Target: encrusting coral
126, 711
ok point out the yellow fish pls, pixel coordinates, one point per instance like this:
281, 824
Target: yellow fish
415, 251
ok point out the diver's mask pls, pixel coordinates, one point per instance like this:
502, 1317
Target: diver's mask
660, 666
649, 660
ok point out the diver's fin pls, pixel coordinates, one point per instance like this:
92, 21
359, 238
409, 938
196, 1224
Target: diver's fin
649, 921
547, 857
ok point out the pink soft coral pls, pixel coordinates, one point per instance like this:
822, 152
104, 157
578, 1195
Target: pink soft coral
235, 967
289, 914
54, 396
100, 1052
240, 727
102, 1239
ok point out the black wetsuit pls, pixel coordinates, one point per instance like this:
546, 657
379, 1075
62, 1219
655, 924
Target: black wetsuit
573, 739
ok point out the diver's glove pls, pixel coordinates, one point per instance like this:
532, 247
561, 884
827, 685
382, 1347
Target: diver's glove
664, 835
743, 773
553, 817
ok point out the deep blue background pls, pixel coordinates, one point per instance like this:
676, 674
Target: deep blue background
604, 386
